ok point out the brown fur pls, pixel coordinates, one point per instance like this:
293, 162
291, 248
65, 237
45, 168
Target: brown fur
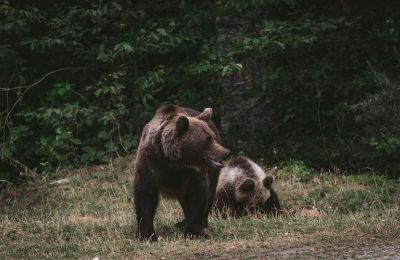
176, 155
240, 190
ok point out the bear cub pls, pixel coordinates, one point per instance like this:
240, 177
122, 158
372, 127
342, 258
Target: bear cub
179, 155
244, 188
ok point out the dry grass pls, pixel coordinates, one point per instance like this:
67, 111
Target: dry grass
92, 215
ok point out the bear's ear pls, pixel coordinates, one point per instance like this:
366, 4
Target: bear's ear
205, 115
182, 125
268, 181
247, 185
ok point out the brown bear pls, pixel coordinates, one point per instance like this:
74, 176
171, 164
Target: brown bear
244, 188
179, 154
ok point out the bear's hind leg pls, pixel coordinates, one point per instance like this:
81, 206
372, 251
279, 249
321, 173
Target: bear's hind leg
182, 202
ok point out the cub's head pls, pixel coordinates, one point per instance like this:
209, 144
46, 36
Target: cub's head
190, 141
253, 193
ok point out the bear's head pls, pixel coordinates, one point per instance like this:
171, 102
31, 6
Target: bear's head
190, 141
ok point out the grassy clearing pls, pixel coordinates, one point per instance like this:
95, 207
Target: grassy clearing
92, 215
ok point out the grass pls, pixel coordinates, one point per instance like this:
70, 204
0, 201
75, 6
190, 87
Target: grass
92, 215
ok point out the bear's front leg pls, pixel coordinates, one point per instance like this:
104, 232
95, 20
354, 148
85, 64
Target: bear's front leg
146, 201
196, 206
213, 175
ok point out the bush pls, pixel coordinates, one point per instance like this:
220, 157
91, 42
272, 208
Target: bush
331, 107
79, 79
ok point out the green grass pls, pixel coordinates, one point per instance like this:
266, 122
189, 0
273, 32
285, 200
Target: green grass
92, 215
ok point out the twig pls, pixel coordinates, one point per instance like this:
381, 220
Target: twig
27, 88
119, 133
13, 88
27, 170
5, 181
328, 157
83, 98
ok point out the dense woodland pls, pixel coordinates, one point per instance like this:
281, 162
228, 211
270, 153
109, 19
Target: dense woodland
79, 79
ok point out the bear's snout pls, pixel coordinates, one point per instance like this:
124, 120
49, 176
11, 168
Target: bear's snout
217, 154
227, 153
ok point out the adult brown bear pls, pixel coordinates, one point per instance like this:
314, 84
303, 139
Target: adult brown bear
179, 154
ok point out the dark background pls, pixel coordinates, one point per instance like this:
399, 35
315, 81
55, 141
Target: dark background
307, 80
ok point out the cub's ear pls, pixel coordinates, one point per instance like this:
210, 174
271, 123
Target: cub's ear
247, 185
268, 181
182, 125
205, 115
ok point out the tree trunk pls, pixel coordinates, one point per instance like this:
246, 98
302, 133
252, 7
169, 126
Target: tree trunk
244, 118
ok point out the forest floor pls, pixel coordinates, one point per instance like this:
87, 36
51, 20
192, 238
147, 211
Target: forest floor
88, 213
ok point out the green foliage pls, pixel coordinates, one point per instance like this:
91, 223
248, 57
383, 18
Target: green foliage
82, 78
352, 200
378, 116
331, 83
78, 80
299, 170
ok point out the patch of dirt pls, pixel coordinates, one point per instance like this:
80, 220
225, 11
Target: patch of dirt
358, 248
365, 250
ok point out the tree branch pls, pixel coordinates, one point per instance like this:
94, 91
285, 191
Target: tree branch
28, 87
326, 150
